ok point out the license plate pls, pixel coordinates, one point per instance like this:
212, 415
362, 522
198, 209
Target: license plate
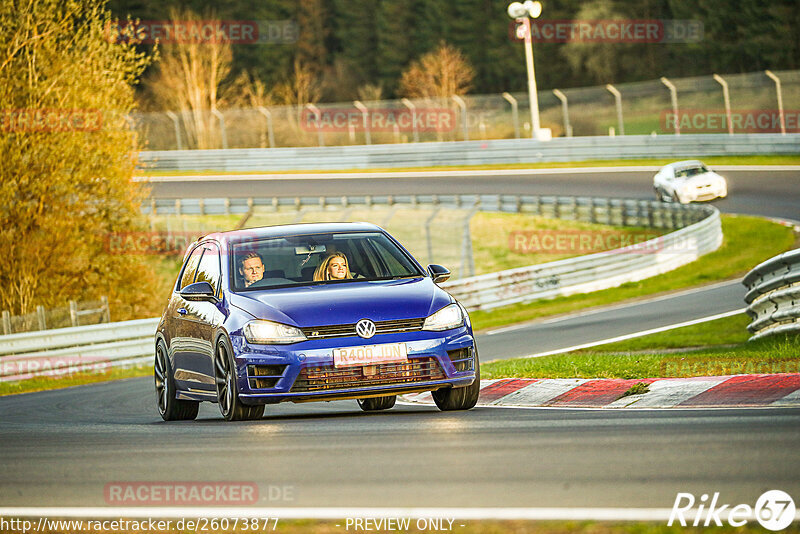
370, 355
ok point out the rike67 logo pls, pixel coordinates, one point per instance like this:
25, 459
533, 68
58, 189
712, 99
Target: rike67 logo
774, 510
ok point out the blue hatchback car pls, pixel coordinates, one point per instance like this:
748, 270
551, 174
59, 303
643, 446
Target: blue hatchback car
310, 312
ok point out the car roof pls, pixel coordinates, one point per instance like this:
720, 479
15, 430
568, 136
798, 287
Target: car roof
686, 164
286, 230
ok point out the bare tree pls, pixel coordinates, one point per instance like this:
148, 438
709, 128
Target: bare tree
302, 87
439, 74
189, 77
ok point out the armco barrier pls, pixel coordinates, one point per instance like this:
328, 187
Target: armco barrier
773, 295
64, 351
591, 272
472, 152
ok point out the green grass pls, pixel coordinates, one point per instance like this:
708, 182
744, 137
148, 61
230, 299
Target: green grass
747, 242
710, 160
718, 348
721, 332
77, 379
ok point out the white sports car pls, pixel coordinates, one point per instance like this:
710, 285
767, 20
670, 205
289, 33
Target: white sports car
688, 181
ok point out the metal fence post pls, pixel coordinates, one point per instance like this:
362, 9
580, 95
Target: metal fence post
223, 133
428, 240
73, 313
514, 112
726, 98
780, 99
673, 94
318, 117
564, 112
40, 315
467, 259
413, 109
365, 118
463, 105
618, 100
270, 133
106, 309
6, 322
174, 118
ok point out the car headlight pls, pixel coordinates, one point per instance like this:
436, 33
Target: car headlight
445, 319
268, 332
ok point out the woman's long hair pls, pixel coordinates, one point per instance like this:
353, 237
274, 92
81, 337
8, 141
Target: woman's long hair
322, 272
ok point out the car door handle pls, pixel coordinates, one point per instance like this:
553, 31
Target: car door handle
182, 311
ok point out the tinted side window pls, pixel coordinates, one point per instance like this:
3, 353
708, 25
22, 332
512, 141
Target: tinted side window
190, 268
208, 269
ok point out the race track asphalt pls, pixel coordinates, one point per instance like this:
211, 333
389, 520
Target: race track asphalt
62, 448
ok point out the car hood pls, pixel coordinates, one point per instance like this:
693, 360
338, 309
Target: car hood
345, 303
700, 180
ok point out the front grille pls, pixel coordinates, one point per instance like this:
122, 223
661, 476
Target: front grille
330, 378
462, 359
264, 376
381, 327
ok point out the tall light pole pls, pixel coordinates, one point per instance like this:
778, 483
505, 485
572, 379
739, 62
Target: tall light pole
523, 13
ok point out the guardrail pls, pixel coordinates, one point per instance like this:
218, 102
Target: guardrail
64, 351
593, 272
471, 152
773, 295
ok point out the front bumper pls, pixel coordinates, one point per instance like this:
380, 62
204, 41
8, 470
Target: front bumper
304, 371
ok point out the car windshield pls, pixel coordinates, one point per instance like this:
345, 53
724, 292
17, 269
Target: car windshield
688, 172
318, 259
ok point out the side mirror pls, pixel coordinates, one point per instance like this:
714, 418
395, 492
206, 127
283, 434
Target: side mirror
198, 291
438, 273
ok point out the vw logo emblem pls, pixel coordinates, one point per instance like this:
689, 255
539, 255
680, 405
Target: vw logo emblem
365, 328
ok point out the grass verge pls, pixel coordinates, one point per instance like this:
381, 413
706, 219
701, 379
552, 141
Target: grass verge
747, 242
710, 160
717, 348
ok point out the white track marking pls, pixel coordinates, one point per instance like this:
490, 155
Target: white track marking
667, 393
638, 334
539, 392
612, 307
332, 513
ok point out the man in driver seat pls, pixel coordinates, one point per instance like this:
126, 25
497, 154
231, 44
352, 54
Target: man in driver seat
251, 268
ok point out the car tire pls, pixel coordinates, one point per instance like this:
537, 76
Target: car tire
374, 404
463, 398
170, 408
230, 405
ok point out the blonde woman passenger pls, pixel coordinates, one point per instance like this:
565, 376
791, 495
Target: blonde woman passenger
333, 267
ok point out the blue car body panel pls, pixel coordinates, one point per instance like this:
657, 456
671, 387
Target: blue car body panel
304, 371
